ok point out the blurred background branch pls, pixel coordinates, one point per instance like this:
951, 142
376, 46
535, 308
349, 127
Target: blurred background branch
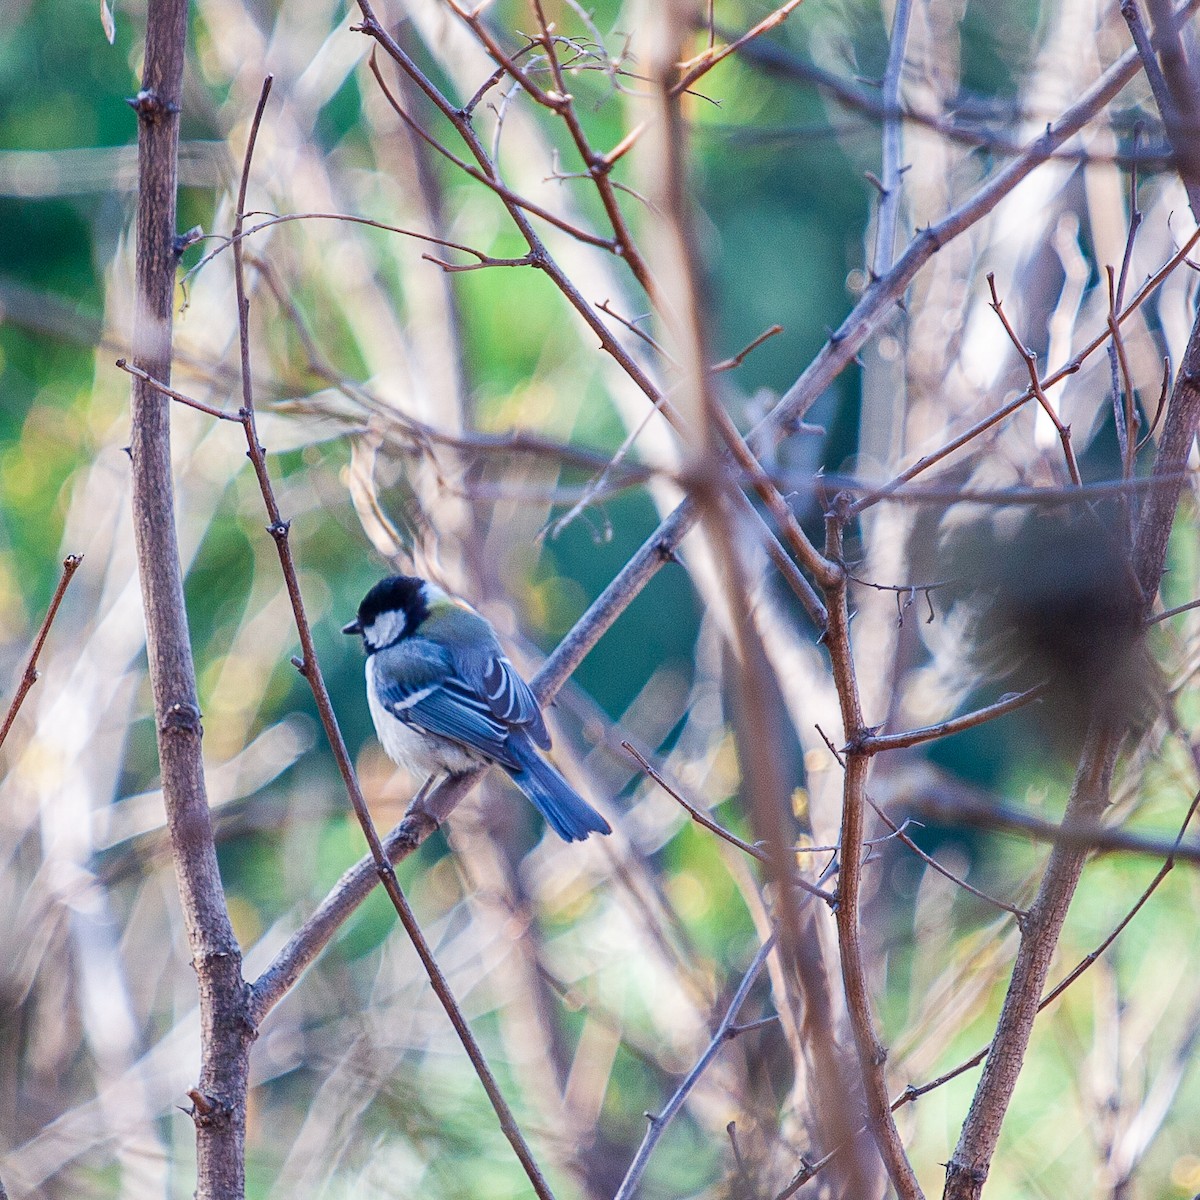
640, 503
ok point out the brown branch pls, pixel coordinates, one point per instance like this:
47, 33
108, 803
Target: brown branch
871, 1052
703, 819
806, 553
30, 675
484, 260
225, 1031
879, 742
709, 58
726, 1031
1161, 406
209, 410
598, 165
487, 175
541, 256
968, 1167
930, 861
740, 357
311, 670
1035, 386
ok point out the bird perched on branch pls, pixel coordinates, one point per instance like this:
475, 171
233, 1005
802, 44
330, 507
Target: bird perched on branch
445, 699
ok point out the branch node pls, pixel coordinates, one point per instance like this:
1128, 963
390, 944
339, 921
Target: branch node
666, 552
279, 530
973, 1175
208, 1112
202, 1105
181, 718
150, 107
181, 241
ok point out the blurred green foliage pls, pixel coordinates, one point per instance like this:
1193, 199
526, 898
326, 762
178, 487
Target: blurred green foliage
784, 210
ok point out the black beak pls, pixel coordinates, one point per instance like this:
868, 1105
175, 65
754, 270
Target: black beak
352, 627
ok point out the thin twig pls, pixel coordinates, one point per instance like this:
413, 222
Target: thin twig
1029, 358
725, 1032
311, 670
933, 863
877, 743
740, 357
702, 818
1005, 410
1174, 612
1163, 392
912, 1092
486, 172
710, 57
598, 166
160, 387
30, 675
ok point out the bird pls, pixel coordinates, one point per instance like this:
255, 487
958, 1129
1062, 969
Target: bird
446, 700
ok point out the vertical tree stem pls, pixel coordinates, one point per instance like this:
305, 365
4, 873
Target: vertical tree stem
219, 1099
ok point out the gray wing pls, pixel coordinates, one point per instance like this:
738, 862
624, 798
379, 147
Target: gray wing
436, 699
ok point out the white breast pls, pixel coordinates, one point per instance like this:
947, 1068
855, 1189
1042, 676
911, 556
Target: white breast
416, 751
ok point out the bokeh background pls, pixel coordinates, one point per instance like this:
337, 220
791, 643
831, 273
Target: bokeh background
592, 974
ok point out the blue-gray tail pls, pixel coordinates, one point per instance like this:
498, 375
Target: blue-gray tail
568, 813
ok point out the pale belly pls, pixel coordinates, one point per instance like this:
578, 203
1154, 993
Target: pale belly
416, 751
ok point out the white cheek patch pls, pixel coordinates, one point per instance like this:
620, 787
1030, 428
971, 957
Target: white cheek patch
387, 628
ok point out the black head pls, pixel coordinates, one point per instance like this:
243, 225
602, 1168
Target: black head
391, 611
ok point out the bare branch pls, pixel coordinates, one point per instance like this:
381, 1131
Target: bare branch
740, 357
712, 826
871, 1053
1035, 386
928, 460
310, 668
219, 413
30, 675
225, 1033
933, 863
1089, 798
710, 57
876, 302
877, 743
727, 1030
